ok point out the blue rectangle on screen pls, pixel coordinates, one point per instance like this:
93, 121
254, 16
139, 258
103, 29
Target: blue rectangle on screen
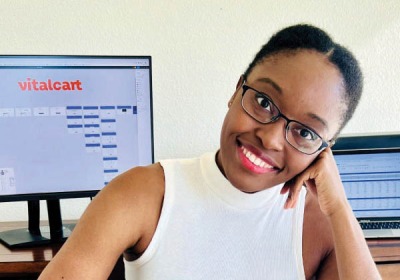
109, 146
74, 107
92, 125
107, 107
75, 126
108, 120
134, 109
92, 145
124, 107
74, 117
108, 133
90, 107
92, 135
110, 170
91, 116
110, 158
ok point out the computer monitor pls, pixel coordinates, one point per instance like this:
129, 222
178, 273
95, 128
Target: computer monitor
69, 125
367, 141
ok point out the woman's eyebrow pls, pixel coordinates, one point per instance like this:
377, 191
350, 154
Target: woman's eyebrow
270, 82
318, 118
280, 91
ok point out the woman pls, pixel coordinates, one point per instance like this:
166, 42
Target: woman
268, 205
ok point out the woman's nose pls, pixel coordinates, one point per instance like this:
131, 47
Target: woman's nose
272, 135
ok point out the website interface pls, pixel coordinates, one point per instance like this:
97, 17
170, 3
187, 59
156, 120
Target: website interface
372, 183
72, 124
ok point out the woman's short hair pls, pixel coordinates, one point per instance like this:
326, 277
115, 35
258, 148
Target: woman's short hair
304, 36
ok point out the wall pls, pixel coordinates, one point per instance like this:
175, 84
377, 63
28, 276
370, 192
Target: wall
199, 52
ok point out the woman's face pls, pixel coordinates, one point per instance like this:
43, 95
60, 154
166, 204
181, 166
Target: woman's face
306, 87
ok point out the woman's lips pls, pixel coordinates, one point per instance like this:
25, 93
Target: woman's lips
253, 162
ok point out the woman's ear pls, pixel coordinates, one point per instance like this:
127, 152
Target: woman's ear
240, 82
238, 87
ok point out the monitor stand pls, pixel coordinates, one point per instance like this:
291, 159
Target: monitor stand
36, 235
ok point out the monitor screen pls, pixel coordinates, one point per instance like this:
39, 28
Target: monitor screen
371, 181
69, 125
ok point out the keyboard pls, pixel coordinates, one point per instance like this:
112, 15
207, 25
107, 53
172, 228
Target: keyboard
380, 225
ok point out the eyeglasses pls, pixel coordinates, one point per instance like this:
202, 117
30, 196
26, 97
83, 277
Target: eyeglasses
261, 108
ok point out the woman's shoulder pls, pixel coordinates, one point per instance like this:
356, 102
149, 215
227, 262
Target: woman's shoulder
139, 179
121, 215
139, 187
131, 203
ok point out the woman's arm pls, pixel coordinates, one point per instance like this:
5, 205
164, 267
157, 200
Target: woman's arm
351, 257
116, 219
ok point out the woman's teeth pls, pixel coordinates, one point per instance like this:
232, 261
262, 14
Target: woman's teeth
255, 160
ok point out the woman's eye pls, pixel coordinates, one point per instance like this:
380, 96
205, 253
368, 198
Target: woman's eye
307, 134
263, 102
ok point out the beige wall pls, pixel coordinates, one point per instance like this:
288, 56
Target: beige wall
199, 51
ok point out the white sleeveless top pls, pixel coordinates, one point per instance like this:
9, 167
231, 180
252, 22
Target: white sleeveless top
208, 229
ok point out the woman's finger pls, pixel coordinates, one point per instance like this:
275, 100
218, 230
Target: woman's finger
293, 186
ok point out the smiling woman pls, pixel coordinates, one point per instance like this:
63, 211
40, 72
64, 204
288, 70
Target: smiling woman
242, 212
308, 89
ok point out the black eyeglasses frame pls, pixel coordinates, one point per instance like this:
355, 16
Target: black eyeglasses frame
324, 143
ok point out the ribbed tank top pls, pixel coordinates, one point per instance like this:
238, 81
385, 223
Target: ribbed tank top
208, 229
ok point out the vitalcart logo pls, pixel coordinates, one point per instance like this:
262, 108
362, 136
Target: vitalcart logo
32, 84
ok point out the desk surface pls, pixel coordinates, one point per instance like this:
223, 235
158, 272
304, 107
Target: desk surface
30, 262
24, 262
386, 254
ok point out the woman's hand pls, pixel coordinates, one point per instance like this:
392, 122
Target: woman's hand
323, 180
